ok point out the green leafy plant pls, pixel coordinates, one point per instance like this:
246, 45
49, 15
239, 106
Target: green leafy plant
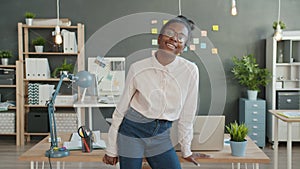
238, 132
39, 41
248, 74
6, 54
282, 25
64, 67
29, 15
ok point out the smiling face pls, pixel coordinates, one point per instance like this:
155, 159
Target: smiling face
173, 38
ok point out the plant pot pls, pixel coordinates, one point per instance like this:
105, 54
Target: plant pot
238, 148
39, 49
252, 94
28, 21
4, 61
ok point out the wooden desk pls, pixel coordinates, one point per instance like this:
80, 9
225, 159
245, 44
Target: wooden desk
289, 122
37, 154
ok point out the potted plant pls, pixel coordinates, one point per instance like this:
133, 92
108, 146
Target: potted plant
29, 17
68, 67
5, 55
248, 74
238, 142
39, 44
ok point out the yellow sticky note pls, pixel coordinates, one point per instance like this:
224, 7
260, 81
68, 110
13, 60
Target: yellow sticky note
154, 41
215, 27
203, 33
192, 47
165, 21
154, 30
214, 50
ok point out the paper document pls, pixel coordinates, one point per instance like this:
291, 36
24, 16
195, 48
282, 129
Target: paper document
75, 142
290, 114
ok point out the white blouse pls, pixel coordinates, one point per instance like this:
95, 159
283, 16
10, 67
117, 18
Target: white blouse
159, 92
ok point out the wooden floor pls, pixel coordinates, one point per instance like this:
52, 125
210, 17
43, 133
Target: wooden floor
9, 159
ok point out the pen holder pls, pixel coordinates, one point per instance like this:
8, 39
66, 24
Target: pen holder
87, 144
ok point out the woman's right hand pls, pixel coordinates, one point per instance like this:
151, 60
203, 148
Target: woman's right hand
110, 160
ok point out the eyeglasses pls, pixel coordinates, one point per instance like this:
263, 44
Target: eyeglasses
171, 33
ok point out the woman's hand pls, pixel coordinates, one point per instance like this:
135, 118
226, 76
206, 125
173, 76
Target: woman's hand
110, 160
192, 158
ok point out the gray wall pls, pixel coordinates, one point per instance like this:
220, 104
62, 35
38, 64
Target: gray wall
238, 35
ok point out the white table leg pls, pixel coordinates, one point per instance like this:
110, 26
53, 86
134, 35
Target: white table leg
31, 164
58, 165
43, 165
238, 165
246, 166
275, 143
90, 119
79, 117
257, 165
232, 165
36, 165
289, 146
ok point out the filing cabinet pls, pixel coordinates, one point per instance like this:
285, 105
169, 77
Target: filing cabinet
253, 114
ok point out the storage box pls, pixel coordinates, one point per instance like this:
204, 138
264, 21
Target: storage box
37, 122
7, 122
288, 100
66, 121
65, 100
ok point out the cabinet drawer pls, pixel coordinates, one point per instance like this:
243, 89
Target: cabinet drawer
288, 100
256, 127
255, 117
255, 105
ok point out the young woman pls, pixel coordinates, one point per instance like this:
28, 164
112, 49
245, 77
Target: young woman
158, 91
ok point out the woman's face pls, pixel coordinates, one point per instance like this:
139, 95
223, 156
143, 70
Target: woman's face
173, 38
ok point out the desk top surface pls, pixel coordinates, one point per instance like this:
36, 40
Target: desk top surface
283, 118
37, 153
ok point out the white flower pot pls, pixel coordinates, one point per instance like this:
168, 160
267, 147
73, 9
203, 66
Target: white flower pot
252, 94
28, 21
39, 49
4, 61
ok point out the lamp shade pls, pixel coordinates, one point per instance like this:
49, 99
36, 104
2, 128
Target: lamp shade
84, 79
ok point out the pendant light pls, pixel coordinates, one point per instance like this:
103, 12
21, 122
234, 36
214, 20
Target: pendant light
58, 37
278, 31
233, 8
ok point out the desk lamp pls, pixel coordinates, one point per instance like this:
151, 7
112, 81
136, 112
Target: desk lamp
84, 80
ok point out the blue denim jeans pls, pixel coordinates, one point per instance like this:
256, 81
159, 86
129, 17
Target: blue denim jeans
141, 137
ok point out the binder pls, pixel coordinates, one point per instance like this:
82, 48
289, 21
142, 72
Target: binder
42, 68
72, 42
66, 44
30, 68
45, 93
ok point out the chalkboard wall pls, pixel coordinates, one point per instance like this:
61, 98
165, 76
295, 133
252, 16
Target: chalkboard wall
237, 35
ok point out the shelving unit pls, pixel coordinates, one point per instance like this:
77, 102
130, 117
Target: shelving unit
15, 109
283, 92
24, 37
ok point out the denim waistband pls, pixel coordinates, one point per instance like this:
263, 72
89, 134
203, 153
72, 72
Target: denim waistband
135, 116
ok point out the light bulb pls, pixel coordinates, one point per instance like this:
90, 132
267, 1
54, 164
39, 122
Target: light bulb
233, 8
58, 38
278, 33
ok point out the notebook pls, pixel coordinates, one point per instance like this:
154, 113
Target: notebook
208, 133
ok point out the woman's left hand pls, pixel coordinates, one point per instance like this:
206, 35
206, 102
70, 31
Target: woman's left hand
192, 158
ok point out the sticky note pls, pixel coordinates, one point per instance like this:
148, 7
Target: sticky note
165, 21
154, 30
215, 27
185, 49
214, 51
196, 41
203, 33
154, 21
154, 41
203, 45
192, 47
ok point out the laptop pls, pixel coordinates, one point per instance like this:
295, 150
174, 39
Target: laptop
208, 133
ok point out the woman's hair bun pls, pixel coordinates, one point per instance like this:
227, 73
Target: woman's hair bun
188, 21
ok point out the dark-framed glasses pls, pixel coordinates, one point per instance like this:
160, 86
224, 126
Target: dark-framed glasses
171, 33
